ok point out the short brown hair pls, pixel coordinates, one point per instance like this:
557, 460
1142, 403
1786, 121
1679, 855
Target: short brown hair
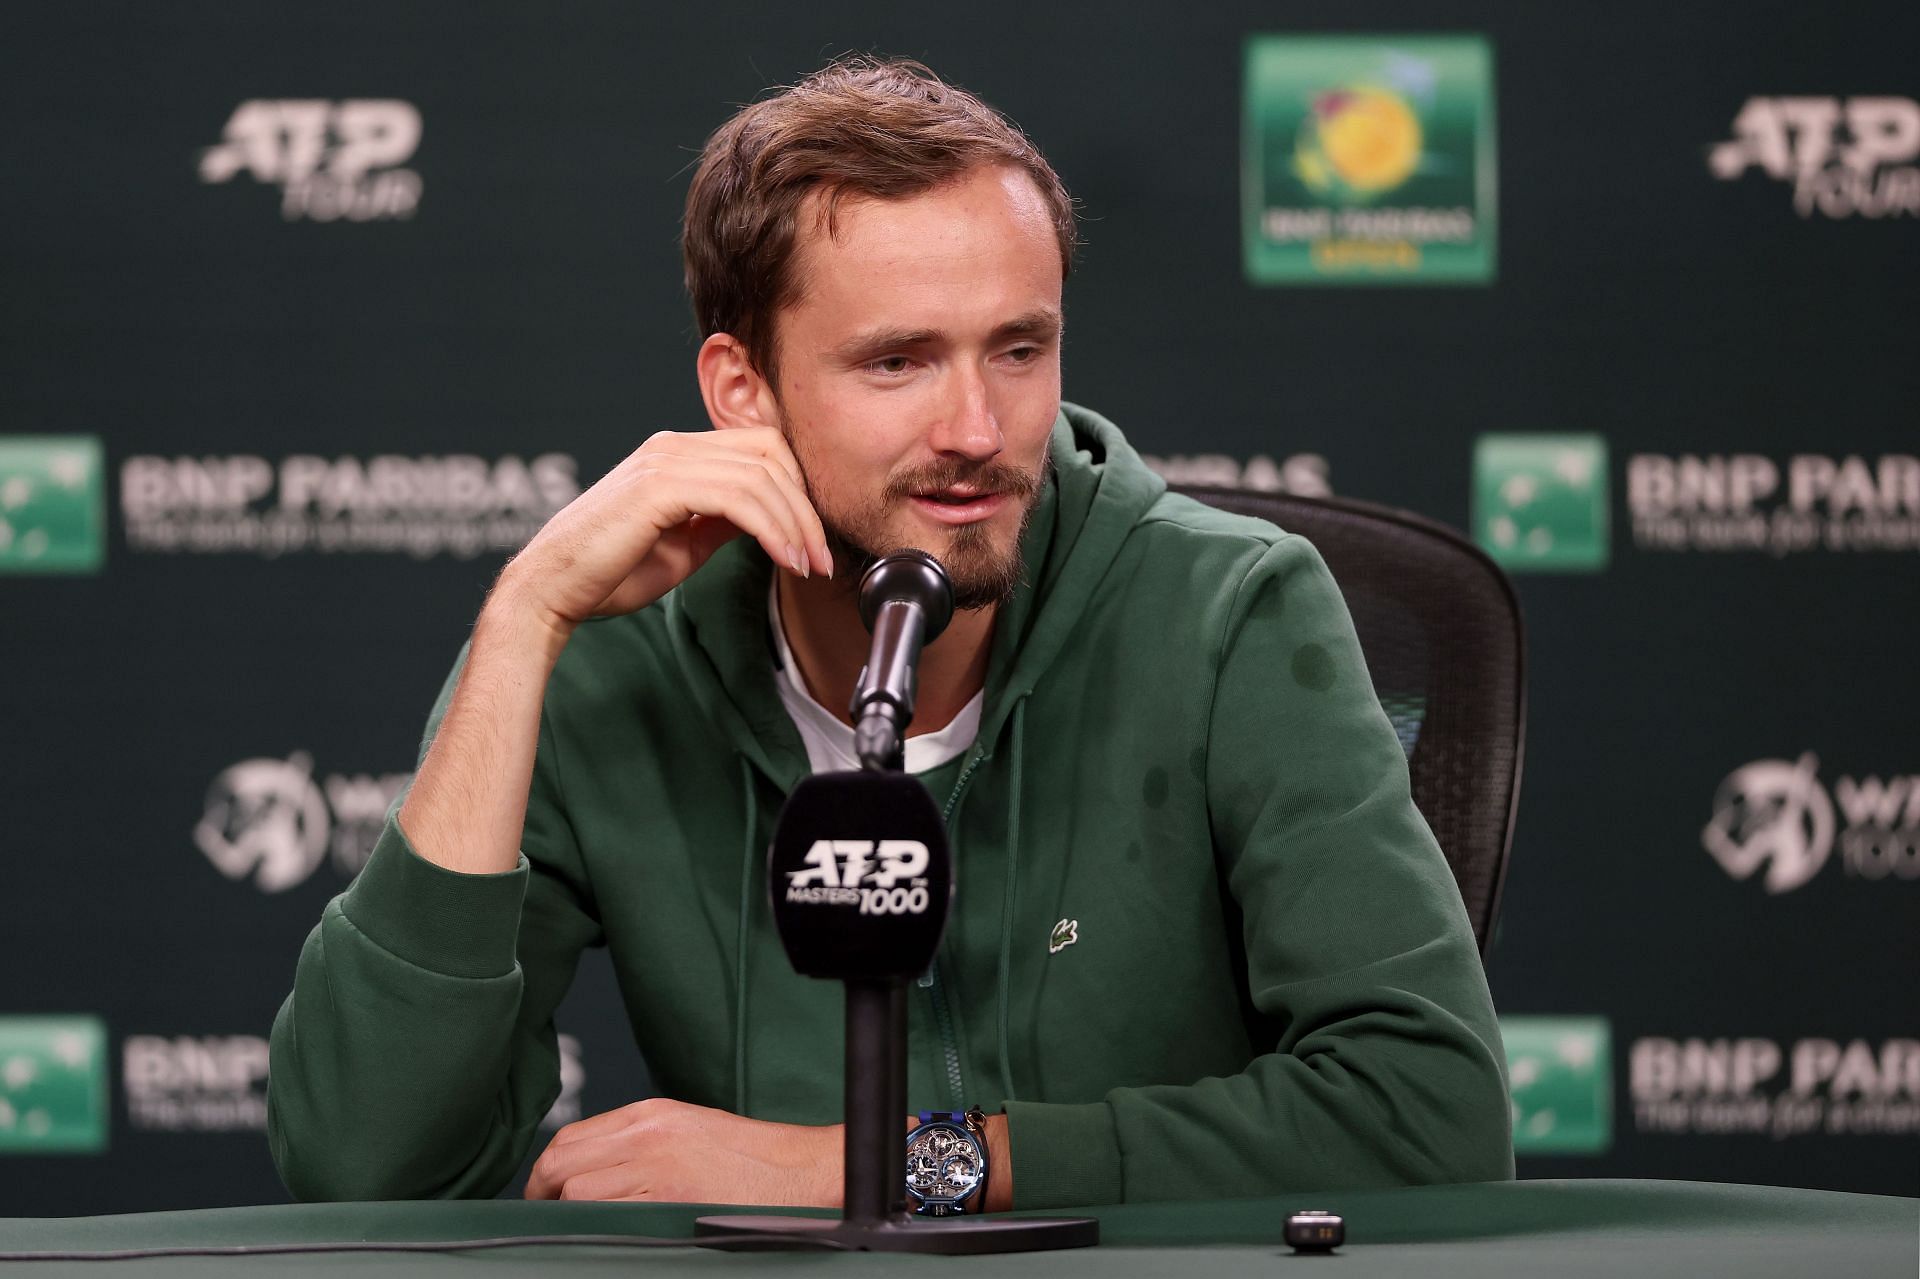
885, 129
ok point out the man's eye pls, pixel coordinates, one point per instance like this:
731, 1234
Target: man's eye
1024, 354
890, 365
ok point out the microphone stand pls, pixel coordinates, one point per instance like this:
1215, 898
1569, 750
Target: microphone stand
876, 959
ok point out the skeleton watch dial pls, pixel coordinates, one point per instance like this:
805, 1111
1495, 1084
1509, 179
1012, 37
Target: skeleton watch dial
944, 1165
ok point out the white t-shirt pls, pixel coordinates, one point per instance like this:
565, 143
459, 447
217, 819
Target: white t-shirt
830, 742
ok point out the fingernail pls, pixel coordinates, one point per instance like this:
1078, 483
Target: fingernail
793, 558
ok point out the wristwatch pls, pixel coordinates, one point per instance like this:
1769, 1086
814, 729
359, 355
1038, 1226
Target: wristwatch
947, 1164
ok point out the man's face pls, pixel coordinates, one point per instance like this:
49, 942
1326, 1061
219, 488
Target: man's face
919, 374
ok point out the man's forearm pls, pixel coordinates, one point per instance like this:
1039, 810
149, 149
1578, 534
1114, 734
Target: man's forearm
469, 800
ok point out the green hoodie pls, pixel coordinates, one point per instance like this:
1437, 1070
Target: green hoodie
1203, 945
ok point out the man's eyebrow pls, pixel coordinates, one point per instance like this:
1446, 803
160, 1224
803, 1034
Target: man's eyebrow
872, 342
1043, 322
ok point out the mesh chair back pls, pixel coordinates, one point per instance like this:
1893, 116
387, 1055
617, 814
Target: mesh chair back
1440, 627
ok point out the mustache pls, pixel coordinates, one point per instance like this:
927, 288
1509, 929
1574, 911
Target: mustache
987, 477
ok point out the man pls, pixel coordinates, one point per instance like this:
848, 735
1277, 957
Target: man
1203, 944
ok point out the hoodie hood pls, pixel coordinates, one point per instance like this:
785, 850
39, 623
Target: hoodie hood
1098, 490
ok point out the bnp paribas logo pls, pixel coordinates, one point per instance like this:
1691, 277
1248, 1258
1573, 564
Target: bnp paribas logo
52, 504
1540, 501
1560, 1080
1369, 160
53, 1085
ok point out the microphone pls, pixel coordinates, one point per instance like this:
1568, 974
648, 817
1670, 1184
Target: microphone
906, 600
860, 881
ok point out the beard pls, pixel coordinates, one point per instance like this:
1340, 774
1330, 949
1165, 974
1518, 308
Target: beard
983, 573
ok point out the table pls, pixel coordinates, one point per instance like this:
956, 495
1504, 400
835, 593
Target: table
1646, 1229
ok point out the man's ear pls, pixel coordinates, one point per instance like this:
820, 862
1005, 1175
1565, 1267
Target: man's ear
735, 392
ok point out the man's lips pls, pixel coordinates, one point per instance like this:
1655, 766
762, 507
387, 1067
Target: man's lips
962, 504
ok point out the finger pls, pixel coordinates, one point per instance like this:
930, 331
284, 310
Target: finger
603, 1124
758, 441
813, 544
740, 490
622, 1181
781, 452
770, 447
557, 1165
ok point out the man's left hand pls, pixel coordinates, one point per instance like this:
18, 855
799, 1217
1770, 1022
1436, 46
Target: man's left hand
679, 1153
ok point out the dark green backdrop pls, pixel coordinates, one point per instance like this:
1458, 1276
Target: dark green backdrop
262, 590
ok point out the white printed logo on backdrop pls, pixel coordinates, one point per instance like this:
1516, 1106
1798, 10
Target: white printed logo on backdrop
454, 504
196, 1083
1302, 474
273, 821
333, 161
573, 1081
1730, 1086
1775, 814
218, 1083
1843, 157
1732, 502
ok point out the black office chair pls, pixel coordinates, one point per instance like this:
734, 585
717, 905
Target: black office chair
1440, 627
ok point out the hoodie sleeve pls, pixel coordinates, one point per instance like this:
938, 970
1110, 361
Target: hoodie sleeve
1388, 1069
417, 1055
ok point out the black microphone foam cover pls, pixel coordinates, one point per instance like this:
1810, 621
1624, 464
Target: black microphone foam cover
913, 576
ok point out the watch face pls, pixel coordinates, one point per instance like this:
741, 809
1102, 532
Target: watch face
943, 1163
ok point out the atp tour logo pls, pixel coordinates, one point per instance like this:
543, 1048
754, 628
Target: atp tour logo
1844, 157
1775, 814
847, 872
332, 160
270, 820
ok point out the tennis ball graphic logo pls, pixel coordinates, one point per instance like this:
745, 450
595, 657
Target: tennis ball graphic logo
1358, 142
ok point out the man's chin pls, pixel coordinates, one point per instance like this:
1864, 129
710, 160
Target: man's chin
984, 569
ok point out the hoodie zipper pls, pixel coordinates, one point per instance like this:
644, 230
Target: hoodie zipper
942, 1015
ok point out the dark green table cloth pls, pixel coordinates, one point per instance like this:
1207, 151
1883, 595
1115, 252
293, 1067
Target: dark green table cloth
1560, 1228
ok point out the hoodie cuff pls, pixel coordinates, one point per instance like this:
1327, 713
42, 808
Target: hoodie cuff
1063, 1156
441, 920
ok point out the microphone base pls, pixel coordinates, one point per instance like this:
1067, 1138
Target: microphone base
948, 1236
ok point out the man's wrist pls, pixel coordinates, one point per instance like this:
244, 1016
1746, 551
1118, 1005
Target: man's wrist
830, 1160
999, 1165
513, 618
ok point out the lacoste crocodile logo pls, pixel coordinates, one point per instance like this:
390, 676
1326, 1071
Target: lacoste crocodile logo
1065, 933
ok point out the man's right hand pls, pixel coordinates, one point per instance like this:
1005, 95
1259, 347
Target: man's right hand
619, 546
657, 516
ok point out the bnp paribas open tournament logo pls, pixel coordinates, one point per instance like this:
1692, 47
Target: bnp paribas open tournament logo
53, 1085
52, 506
1540, 501
1369, 160
1560, 1081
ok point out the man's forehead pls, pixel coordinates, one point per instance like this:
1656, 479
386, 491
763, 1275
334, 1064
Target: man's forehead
984, 242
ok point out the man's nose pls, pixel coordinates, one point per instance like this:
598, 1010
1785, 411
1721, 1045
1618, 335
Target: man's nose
967, 424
